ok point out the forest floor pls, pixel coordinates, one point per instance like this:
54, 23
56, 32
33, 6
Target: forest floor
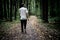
35, 31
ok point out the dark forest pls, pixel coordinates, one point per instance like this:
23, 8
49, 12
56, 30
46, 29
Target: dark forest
43, 23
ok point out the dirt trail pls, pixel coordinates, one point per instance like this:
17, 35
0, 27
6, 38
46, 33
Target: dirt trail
35, 31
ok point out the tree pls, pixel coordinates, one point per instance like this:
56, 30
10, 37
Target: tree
15, 8
52, 8
1, 12
44, 6
10, 10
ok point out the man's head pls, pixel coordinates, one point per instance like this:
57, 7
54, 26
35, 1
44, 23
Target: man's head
22, 5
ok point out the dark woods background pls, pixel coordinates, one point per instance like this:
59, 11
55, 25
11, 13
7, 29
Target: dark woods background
48, 9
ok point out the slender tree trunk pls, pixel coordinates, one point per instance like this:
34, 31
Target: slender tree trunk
58, 8
41, 7
52, 7
1, 10
36, 6
5, 11
29, 2
10, 10
15, 9
45, 10
8, 2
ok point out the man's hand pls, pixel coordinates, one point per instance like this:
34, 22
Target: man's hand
28, 19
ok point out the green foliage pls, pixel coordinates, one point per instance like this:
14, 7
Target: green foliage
7, 25
53, 11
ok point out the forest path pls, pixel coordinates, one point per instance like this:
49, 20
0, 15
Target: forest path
35, 31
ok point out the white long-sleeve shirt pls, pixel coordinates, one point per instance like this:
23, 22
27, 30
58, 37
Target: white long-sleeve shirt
23, 11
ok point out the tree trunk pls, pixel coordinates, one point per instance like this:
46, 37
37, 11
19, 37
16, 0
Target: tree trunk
1, 10
45, 10
5, 11
52, 8
10, 10
29, 2
15, 9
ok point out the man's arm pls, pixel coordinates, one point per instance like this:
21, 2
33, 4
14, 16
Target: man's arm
27, 14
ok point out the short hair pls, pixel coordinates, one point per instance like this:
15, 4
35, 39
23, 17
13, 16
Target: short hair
22, 5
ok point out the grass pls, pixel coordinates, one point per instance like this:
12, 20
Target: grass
55, 26
4, 26
7, 25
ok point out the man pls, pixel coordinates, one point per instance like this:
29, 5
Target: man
23, 16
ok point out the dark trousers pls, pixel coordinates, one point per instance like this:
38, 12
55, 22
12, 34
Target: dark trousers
23, 24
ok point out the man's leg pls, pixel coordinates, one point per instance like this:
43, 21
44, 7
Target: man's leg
21, 25
25, 23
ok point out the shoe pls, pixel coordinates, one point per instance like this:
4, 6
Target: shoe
21, 31
25, 31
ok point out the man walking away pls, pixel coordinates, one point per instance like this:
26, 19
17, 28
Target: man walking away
23, 17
